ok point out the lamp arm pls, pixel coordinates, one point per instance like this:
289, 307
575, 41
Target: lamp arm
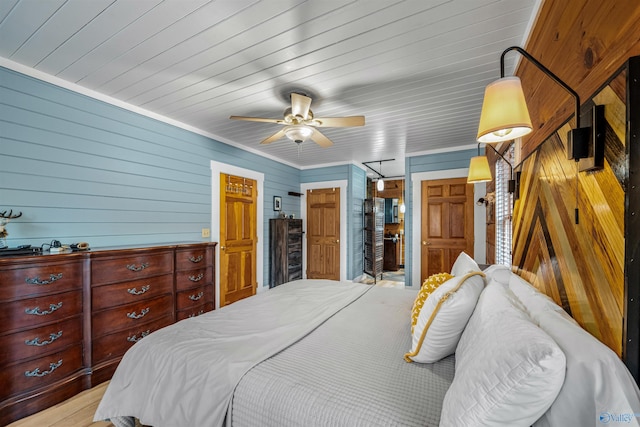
547, 72
499, 154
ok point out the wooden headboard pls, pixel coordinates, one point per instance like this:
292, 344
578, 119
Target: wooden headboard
588, 268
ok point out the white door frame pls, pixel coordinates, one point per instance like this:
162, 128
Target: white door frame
342, 185
479, 218
216, 169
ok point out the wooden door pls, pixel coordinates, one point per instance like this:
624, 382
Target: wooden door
323, 234
238, 238
446, 224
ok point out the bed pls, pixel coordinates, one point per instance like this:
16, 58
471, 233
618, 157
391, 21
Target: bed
325, 353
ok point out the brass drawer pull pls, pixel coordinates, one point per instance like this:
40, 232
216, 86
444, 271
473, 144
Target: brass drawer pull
196, 297
133, 267
196, 278
196, 259
36, 372
36, 280
135, 291
133, 314
36, 310
36, 341
196, 314
136, 338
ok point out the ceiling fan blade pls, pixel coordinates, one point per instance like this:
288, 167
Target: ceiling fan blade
319, 138
300, 105
276, 136
257, 119
338, 122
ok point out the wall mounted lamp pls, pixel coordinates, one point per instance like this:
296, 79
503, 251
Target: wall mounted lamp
505, 115
479, 170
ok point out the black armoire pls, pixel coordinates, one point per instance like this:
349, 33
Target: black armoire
285, 250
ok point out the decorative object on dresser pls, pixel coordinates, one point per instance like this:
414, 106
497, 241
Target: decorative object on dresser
67, 319
4, 220
285, 242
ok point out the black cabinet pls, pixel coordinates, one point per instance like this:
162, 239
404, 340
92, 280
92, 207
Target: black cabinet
285, 250
391, 254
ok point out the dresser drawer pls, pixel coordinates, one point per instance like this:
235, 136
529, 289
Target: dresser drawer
194, 297
133, 267
187, 259
108, 296
194, 311
40, 280
131, 315
116, 344
39, 311
191, 278
39, 372
40, 341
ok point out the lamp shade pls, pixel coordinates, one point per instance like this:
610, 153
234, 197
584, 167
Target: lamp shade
479, 170
504, 112
380, 185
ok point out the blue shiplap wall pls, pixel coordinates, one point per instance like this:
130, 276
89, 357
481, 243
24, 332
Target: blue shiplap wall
83, 170
427, 163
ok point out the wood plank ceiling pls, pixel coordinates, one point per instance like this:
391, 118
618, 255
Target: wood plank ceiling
416, 69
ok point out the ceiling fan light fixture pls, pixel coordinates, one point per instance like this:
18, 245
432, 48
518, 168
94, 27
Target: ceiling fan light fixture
298, 134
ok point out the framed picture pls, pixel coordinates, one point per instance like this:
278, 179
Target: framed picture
277, 203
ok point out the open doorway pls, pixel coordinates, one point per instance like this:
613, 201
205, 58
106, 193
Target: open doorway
389, 203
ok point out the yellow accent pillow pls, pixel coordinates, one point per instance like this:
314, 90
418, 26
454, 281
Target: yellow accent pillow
430, 284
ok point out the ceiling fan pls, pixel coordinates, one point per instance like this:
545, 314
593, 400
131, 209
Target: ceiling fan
300, 124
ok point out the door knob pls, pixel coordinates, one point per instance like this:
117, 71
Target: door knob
223, 248
337, 240
425, 243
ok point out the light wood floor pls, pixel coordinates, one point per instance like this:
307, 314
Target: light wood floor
75, 412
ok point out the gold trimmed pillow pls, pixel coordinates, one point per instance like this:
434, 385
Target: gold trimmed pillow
430, 284
443, 317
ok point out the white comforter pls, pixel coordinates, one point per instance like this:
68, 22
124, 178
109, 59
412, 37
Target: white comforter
184, 374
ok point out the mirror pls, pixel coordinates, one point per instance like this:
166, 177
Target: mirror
391, 211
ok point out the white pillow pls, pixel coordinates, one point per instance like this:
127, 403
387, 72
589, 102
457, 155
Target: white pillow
598, 387
448, 318
508, 371
464, 264
501, 273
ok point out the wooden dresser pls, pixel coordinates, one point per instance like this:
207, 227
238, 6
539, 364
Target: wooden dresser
194, 281
285, 250
66, 320
131, 296
41, 333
